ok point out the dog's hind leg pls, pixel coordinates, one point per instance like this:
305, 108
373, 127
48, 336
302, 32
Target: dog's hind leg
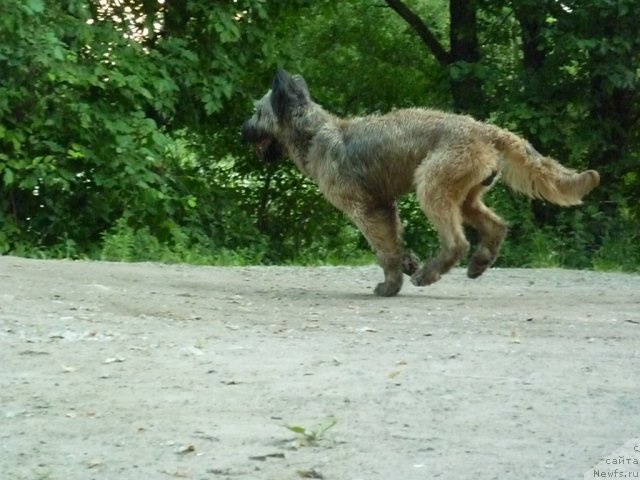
410, 262
381, 226
440, 194
447, 219
491, 227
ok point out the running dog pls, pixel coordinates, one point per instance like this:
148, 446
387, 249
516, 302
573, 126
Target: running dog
363, 165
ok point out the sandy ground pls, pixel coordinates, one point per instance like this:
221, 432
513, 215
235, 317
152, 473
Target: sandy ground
145, 371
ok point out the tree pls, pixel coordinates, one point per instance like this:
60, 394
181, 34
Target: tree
90, 101
119, 119
463, 55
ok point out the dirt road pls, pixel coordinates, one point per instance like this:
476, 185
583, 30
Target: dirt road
144, 371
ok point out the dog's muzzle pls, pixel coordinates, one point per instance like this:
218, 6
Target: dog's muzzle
267, 146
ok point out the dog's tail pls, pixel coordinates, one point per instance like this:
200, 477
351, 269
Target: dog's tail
527, 171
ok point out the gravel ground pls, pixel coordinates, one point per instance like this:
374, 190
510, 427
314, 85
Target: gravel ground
147, 371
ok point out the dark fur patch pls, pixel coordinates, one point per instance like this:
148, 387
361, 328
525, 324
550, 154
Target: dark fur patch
489, 180
274, 152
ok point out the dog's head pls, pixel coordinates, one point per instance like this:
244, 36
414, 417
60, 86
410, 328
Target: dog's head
267, 128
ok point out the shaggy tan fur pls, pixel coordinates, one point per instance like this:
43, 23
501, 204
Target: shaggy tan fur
363, 165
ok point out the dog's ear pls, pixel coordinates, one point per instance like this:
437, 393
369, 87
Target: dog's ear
302, 85
288, 92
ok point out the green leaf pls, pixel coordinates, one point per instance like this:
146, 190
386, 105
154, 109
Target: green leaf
8, 176
297, 429
35, 6
145, 93
66, 174
158, 138
58, 52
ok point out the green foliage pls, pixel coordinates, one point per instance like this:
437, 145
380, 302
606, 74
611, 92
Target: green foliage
124, 243
119, 123
84, 140
618, 253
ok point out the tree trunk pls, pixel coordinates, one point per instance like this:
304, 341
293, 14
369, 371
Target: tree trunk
532, 22
466, 86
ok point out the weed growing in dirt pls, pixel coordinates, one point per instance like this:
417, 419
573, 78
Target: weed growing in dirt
312, 436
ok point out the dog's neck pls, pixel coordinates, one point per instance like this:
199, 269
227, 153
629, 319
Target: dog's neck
300, 137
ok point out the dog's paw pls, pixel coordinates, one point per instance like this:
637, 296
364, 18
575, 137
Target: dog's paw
387, 289
475, 269
479, 262
425, 276
410, 263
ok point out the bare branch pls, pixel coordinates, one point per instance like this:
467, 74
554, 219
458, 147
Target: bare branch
423, 31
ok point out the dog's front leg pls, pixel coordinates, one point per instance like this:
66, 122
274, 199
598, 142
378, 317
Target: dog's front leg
381, 226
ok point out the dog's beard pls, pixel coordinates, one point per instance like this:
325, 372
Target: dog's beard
270, 150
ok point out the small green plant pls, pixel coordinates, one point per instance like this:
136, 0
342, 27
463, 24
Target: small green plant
544, 251
618, 253
312, 436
